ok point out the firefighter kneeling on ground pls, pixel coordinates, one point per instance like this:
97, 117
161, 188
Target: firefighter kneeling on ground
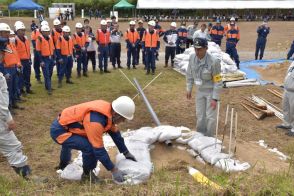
81, 127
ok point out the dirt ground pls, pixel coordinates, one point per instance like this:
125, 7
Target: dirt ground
170, 105
275, 72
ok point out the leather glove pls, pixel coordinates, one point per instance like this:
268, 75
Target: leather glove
118, 176
129, 156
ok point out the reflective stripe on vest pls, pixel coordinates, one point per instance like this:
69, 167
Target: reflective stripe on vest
77, 113
11, 59
23, 48
103, 38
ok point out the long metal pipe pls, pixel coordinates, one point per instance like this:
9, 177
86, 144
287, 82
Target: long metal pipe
149, 107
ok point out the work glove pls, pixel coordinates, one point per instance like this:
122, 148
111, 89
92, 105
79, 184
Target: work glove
129, 156
118, 176
60, 61
7, 76
42, 64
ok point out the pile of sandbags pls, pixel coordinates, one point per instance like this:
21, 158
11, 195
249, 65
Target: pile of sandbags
229, 69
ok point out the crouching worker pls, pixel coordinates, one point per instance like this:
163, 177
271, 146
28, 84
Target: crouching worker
81, 127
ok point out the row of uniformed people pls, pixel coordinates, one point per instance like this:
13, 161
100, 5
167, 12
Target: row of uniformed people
16, 62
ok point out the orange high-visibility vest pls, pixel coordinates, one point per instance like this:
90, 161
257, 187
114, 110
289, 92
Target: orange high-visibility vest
150, 39
11, 59
46, 48
81, 41
35, 34
103, 38
65, 47
23, 48
132, 36
55, 35
76, 113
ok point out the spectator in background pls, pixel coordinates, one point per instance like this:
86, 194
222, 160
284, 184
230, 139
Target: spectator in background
72, 14
91, 50
33, 26
97, 14
90, 13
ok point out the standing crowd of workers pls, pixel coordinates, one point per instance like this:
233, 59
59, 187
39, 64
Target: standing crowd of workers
82, 126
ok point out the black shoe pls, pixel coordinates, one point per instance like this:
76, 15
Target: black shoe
134, 67
129, 67
85, 75
39, 81
24, 171
290, 133
59, 84
106, 71
15, 106
49, 92
90, 177
145, 68
148, 72
94, 70
153, 72
101, 71
29, 91
283, 127
120, 67
79, 75
61, 166
69, 82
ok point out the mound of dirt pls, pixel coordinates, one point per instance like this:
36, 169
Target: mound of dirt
274, 72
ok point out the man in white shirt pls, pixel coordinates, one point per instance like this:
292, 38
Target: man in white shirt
201, 33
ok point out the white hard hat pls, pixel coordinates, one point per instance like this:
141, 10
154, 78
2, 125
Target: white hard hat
173, 24
45, 28
44, 22
19, 26
124, 106
232, 19
103, 22
79, 25
11, 32
151, 23
4, 27
66, 29
56, 22
18, 23
132, 23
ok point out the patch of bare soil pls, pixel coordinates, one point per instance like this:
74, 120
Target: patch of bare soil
274, 72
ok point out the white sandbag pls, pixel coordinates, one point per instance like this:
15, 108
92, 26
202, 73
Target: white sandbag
72, 171
137, 172
168, 132
227, 59
230, 165
199, 143
186, 137
145, 134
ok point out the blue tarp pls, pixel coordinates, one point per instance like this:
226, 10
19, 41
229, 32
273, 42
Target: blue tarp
246, 66
24, 5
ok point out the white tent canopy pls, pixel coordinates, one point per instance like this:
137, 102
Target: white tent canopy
214, 4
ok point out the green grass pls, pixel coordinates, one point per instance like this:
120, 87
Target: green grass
167, 96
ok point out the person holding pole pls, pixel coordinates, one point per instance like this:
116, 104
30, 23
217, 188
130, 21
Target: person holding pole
204, 71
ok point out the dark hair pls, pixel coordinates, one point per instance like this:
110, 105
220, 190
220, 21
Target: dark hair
113, 17
87, 20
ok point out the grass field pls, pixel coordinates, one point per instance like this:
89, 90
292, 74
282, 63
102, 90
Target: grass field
167, 95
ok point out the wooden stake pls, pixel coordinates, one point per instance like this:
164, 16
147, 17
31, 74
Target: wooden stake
236, 128
217, 121
225, 126
231, 130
